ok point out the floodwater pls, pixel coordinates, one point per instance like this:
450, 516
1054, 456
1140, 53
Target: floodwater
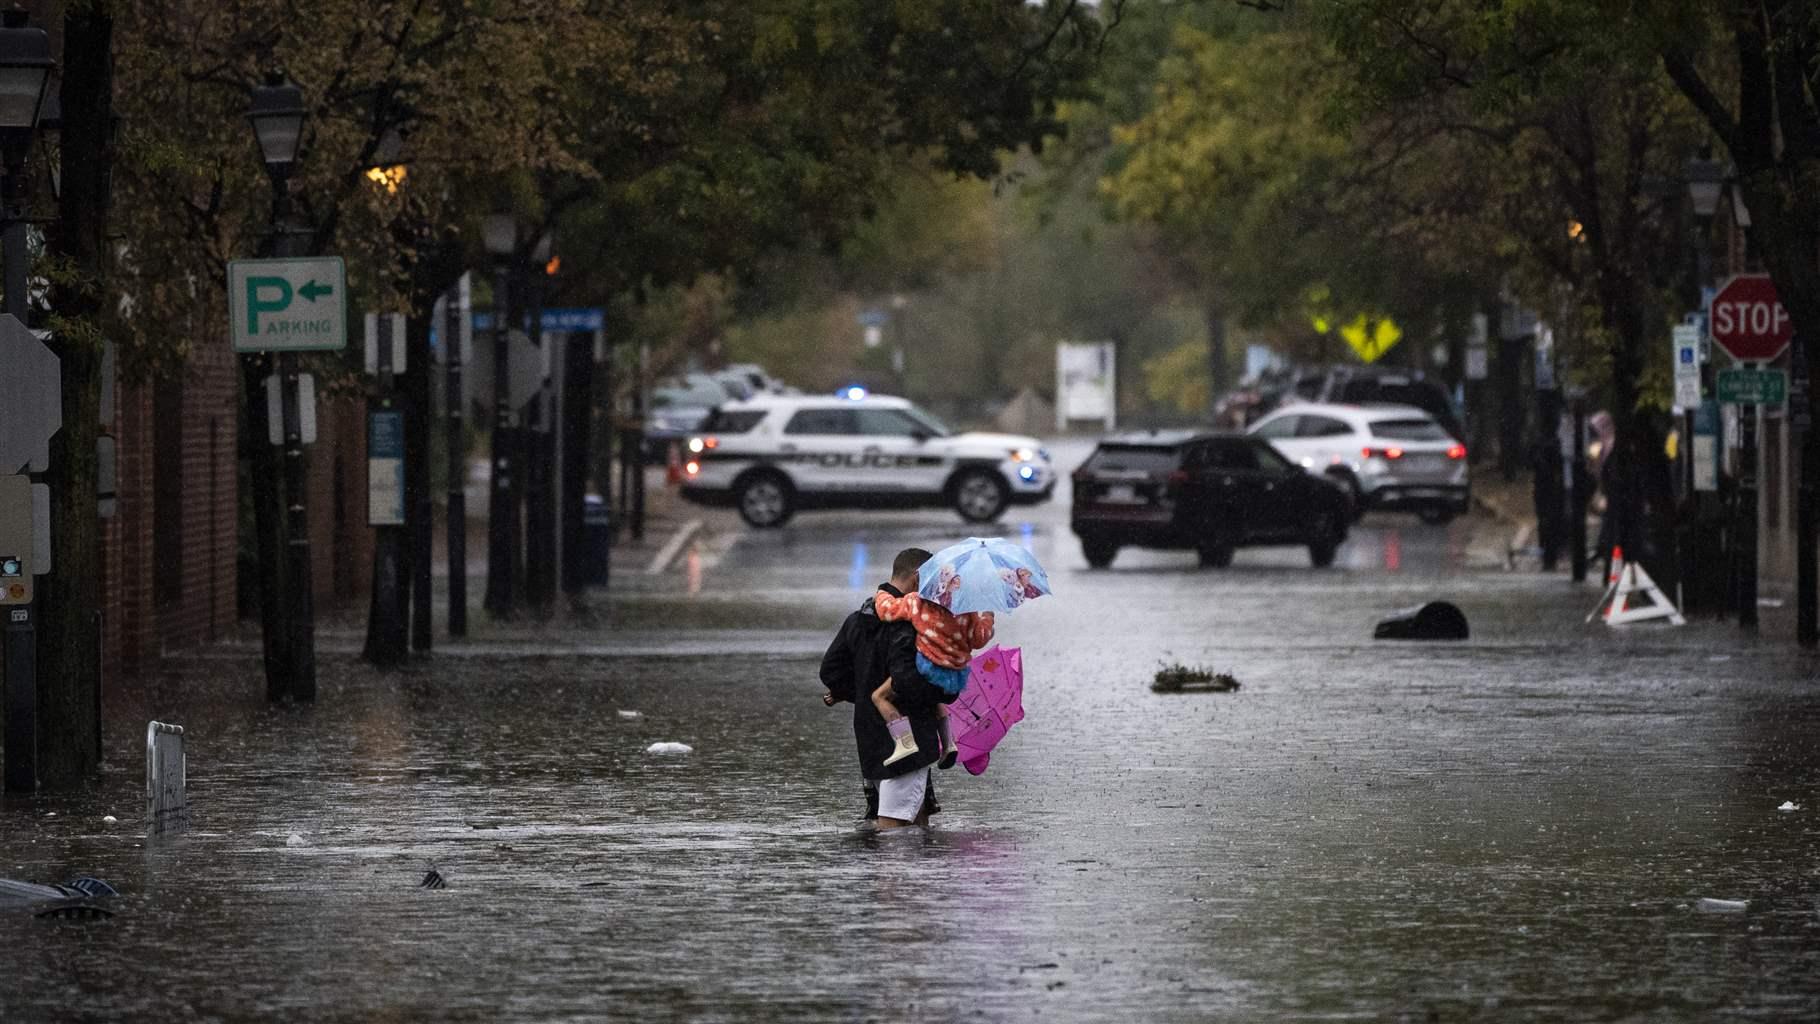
1519, 827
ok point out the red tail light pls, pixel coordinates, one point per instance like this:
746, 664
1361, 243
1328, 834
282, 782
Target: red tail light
1458, 451
1383, 453
1177, 477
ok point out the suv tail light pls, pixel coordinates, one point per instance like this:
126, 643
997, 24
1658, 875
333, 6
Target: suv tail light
1458, 451
1383, 453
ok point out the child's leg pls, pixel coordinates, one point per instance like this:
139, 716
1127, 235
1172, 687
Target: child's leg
881, 699
898, 725
944, 728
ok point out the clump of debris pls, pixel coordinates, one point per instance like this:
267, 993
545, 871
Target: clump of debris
1179, 678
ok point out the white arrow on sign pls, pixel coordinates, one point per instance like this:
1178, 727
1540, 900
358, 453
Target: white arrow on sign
31, 398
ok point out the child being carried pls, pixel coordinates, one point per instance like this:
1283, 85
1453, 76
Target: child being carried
945, 643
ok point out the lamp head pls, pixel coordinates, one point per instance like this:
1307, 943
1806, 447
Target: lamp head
277, 114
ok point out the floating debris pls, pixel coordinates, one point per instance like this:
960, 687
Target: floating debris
1712, 906
109, 819
669, 748
1180, 678
295, 840
629, 715
432, 880
1789, 805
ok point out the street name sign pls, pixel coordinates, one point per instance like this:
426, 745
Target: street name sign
1748, 321
297, 305
1752, 387
31, 398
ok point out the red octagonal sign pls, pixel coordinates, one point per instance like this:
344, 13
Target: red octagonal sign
1749, 321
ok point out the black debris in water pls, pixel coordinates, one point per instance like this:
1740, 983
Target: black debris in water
1436, 620
1182, 679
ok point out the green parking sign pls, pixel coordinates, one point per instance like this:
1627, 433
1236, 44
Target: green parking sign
295, 305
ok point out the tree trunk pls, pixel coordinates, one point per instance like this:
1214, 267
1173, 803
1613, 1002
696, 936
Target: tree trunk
69, 648
1219, 369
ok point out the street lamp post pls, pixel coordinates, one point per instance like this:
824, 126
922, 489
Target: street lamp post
25, 68
277, 115
500, 234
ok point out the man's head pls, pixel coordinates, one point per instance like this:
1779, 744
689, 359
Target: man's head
904, 567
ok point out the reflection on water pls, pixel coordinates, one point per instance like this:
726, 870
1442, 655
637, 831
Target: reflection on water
1513, 828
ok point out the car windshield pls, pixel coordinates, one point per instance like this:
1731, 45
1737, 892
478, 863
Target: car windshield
1408, 430
1128, 458
935, 427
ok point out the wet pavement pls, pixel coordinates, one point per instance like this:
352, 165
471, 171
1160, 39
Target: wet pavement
1517, 827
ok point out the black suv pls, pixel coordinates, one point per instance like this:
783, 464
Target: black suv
1209, 493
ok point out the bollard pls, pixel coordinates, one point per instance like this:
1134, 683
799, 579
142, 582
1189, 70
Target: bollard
166, 802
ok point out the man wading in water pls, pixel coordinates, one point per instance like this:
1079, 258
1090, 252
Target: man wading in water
863, 655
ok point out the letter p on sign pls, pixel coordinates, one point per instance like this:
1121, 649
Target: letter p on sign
265, 295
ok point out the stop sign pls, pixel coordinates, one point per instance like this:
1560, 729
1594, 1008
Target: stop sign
1749, 321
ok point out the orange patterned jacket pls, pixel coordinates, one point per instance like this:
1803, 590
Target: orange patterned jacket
943, 637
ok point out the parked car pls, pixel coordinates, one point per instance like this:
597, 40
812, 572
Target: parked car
1368, 385
771, 455
677, 410
1206, 492
1386, 456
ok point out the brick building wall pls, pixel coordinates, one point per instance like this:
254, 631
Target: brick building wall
170, 555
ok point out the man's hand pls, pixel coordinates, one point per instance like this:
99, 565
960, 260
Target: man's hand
828, 698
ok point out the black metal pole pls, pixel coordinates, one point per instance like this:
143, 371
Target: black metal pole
540, 477
386, 627
458, 468
1807, 608
1747, 516
638, 445
1577, 505
421, 510
501, 515
21, 655
302, 625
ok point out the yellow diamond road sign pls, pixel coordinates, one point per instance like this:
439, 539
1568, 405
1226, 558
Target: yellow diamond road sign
1369, 338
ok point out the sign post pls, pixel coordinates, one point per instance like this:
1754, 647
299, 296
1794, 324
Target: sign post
31, 412
386, 626
286, 306
1750, 323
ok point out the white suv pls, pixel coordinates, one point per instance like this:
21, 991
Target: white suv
1387, 456
770, 455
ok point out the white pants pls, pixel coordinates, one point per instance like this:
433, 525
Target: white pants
902, 797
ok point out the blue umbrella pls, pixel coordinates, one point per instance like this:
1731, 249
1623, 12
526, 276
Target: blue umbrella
982, 574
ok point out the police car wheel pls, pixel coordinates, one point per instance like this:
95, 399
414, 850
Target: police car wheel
764, 500
980, 496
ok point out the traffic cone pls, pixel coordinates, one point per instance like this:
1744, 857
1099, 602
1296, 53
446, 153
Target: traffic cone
1614, 566
673, 472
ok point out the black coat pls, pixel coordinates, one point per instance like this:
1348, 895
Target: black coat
863, 655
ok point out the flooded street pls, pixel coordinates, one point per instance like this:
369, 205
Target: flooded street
1516, 827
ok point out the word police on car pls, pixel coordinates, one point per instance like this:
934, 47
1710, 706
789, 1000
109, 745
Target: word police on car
771, 455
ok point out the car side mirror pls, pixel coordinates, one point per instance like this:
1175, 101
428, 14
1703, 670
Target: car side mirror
920, 436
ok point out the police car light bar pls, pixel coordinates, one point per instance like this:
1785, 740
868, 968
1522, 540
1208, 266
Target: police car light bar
852, 392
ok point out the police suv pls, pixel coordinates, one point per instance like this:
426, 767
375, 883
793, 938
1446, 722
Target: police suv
771, 455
